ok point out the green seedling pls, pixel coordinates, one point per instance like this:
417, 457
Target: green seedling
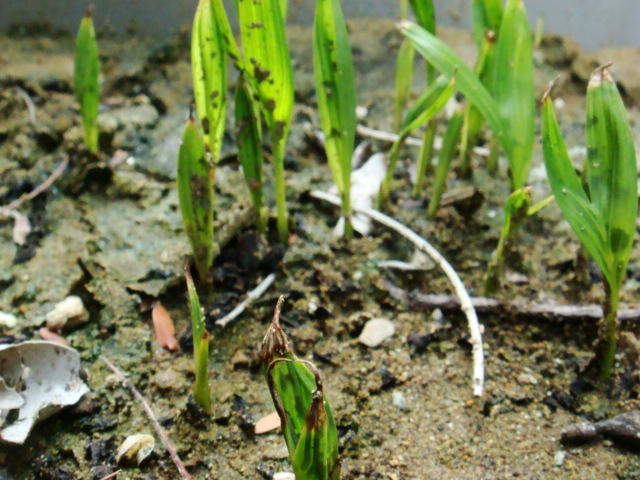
87, 69
602, 215
336, 94
307, 423
249, 141
448, 150
425, 13
201, 390
422, 111
404, 72
268, 71
209, 67
195, 179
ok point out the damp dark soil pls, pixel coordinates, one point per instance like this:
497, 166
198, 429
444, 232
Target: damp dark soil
110, 232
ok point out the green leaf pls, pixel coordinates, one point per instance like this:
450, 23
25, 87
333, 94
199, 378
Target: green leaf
404, 79
209, 66
514, 89
87, 89
249, 141
201, 390
316, 455
336, 92
567, 188
486, 16
447, 152
195, 192
612, 171
268, 62
425, 13
448, 63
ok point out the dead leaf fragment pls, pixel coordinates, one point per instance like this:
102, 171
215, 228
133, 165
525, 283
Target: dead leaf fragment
164, 329
136, 447
267, 424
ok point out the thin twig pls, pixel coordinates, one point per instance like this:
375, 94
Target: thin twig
112, 475
163, 436
422, 301
252, 296
410, 141
6, 210
31, 107
439, 260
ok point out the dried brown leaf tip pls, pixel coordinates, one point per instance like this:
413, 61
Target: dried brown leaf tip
317, 415
164, 329
275, 343
600, 75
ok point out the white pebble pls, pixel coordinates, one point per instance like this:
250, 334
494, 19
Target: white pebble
376, 331
68, 313
7, 320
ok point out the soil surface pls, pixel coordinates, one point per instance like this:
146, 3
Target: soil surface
111, 233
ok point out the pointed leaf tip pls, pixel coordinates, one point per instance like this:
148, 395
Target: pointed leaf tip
599, 75
275, 343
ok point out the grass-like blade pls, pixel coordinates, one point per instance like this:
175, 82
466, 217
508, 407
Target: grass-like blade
425, 13
195, 192
448, 63
249, 141
404, 80
448, 150
514, 89
268, 65
87, 89
336, 94
567, 188
486, 16
422, 111
201, 390
209, 67
612, 171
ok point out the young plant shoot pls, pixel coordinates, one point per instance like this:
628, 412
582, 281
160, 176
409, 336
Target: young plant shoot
209, 68
201, 391
268, 69
422, 111
602, 215
195, 192
336, 94
249, 140
87, 89
404, 72
308, 425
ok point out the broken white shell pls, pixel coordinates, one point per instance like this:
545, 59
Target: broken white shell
68, 313
137, 446
47, 376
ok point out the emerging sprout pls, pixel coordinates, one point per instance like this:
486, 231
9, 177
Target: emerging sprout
268, 71
86, 86
336, 93
201, 391
603, 216
195, 191
307, 423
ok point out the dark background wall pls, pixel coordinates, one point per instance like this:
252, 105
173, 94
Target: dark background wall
593, 23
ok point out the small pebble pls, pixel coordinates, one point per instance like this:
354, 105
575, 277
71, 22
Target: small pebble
284, 476
7, 320
166, 379
136, 447
558, 458
399, 401
68, 313
376, 331
240, 360
527, 379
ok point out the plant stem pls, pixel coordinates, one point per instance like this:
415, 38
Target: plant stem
608, 332
393, 160
281, 198
346, 211
201, 391
494, 152
424, 158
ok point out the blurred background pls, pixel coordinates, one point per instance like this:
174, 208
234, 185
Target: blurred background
593, 23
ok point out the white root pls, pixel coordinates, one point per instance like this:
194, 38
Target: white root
461, 292
252, 296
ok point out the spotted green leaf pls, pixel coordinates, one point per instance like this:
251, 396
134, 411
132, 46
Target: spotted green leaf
87, 89
195, 192
486, 16
209, 66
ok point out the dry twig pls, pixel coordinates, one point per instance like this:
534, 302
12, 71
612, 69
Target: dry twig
439, 260
147, 408
112, 475
8, 209
252, 296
